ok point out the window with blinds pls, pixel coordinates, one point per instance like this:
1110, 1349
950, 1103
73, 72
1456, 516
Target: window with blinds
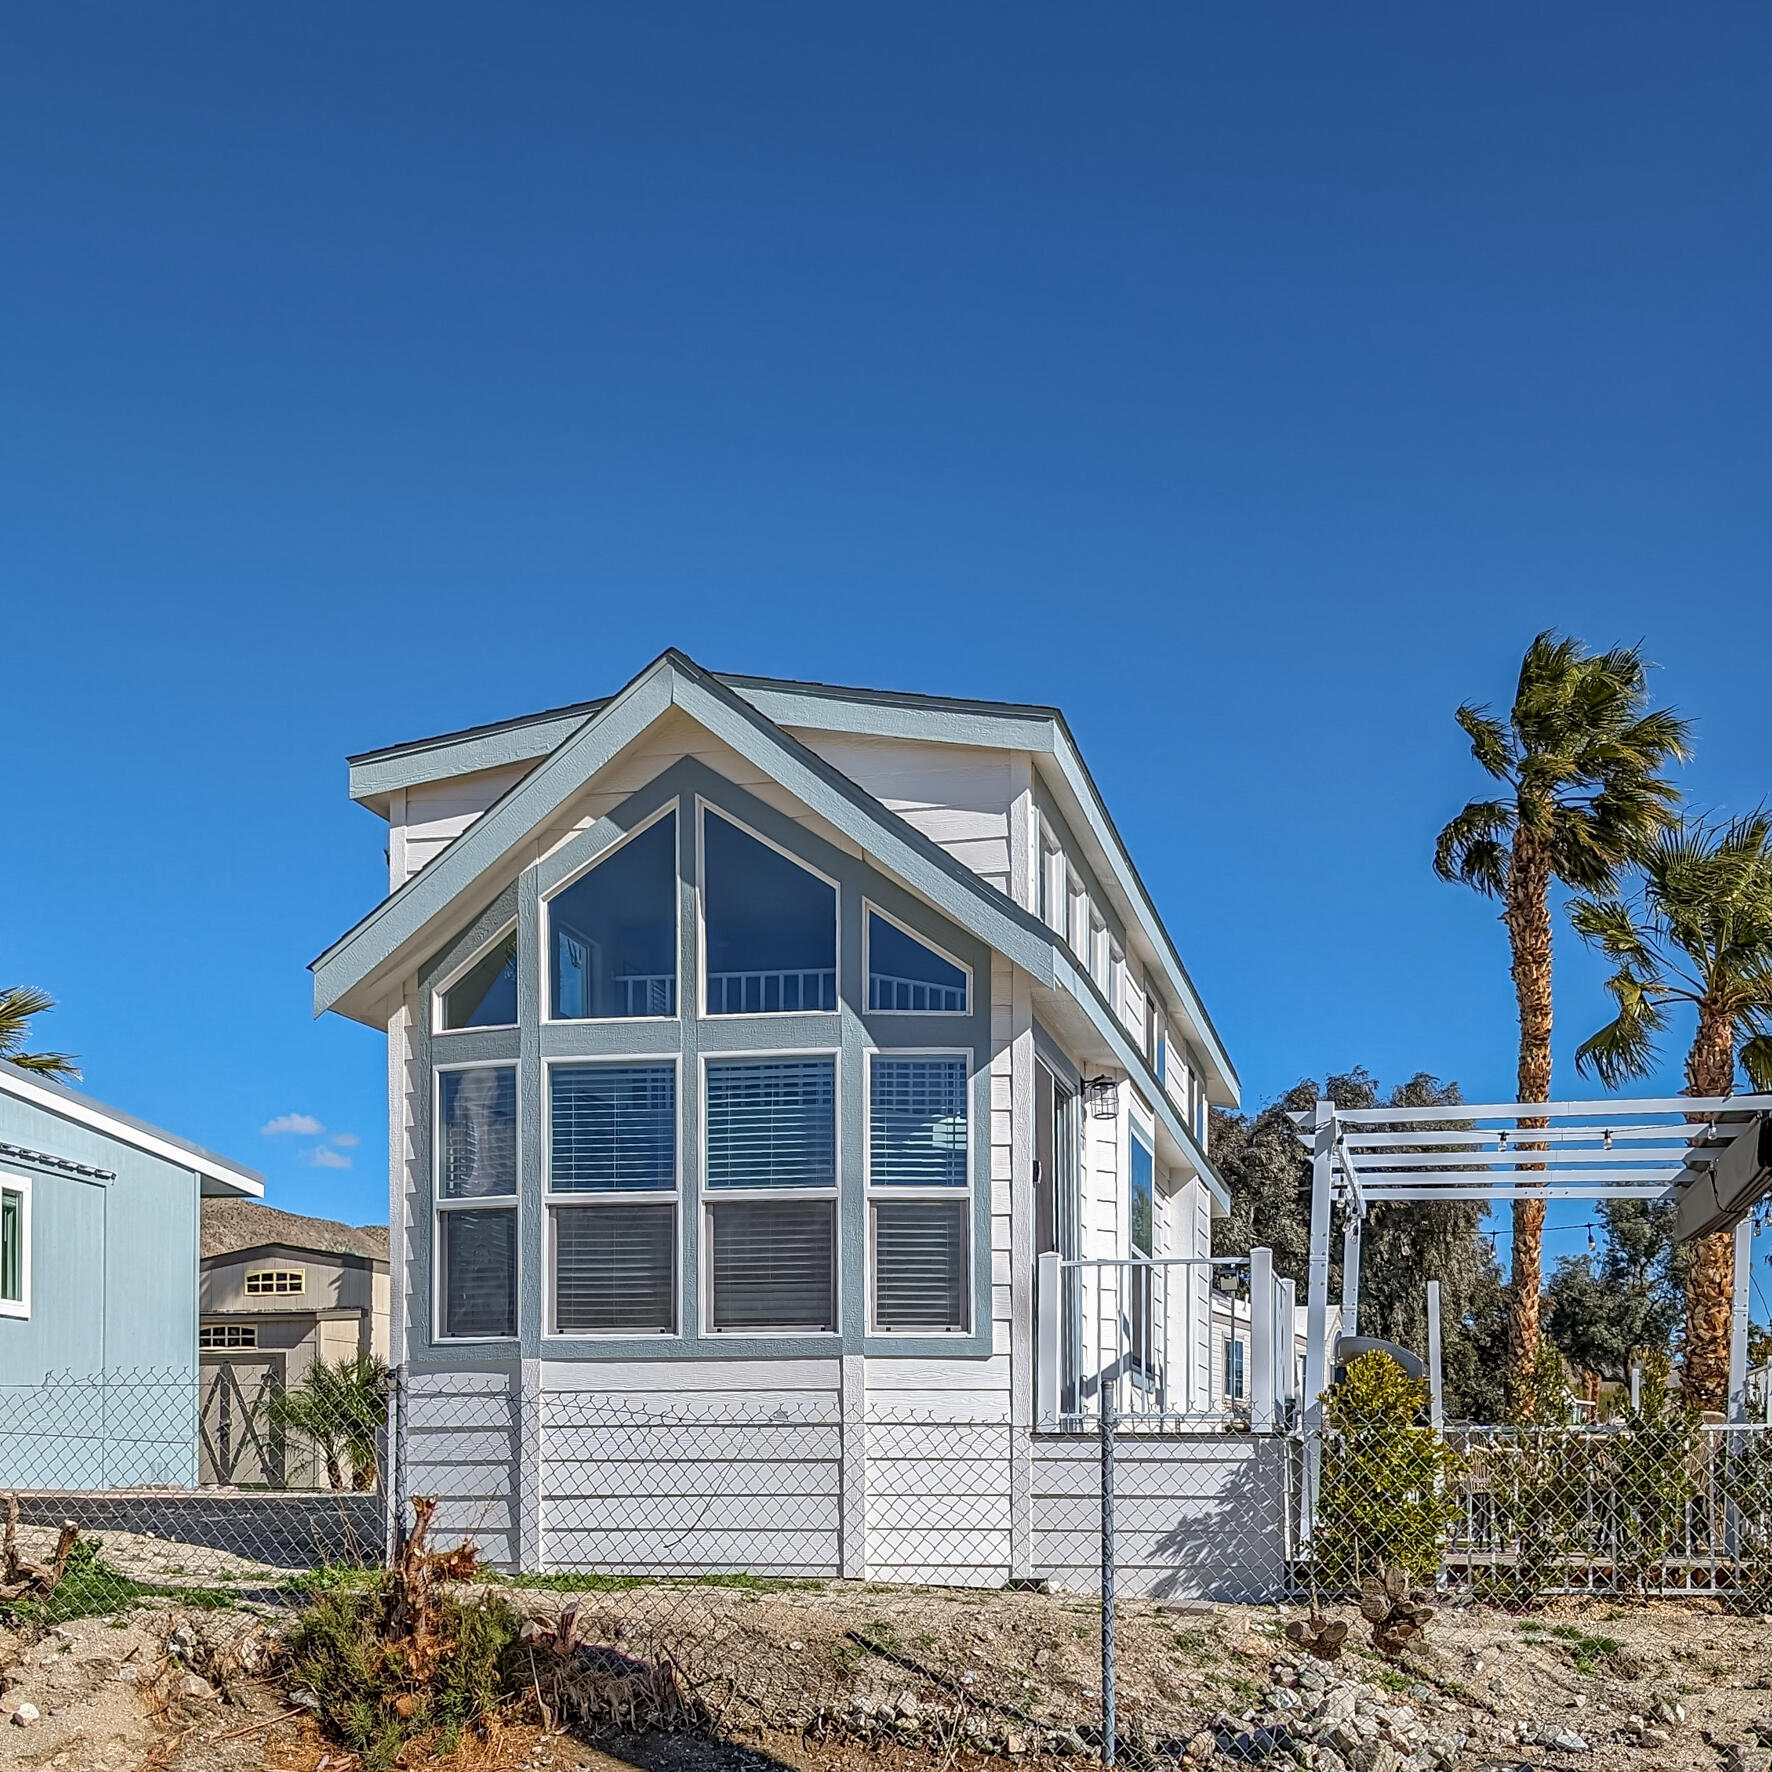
614, 1270
477, 1138
921, 1272
612, 1127
772, 1123
774, 1265
479, 1265
917, 1122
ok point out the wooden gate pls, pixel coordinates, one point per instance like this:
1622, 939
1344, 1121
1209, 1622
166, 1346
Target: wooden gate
238, 1445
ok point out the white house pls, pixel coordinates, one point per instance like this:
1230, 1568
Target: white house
749, 1043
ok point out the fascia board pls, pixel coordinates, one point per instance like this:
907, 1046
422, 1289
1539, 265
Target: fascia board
84, 1112
379, 774
493, 841
1136, 1066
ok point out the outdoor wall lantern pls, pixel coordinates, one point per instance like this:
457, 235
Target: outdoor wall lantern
1103, 1096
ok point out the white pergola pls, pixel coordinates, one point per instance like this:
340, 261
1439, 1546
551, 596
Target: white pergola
1578, 1150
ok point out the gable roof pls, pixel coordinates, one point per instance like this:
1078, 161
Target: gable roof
230, 1226
535, 740
219, 1174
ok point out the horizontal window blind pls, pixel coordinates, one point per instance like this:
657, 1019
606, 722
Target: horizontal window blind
613, 1126
917, 1122
479, 1133
479, 1272
613, 1269
920, 1268
774, 1265
772, 1123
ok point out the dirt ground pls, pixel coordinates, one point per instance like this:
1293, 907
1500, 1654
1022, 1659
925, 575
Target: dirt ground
841, 1677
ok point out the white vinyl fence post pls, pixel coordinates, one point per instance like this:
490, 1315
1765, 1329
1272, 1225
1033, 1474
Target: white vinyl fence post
1738, 1319
1261, 1341
1436, 1378
1287, 1333
1048, 1332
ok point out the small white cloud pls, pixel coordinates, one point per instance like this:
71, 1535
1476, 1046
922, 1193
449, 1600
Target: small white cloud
323, 1156
301, 1125
349, 1140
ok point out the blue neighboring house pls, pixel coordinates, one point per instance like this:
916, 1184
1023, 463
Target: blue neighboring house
100, 1230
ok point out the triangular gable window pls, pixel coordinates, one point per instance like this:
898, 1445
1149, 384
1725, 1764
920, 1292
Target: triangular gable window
771, 926
908, 977
485, 996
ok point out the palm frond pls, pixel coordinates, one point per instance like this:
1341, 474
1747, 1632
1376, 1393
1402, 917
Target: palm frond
1471, 851
1490, 741
1607, 923
1627, 1046
18, 1005
1755, 1058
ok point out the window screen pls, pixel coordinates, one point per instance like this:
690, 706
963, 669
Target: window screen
772, 1123
613, 1126
479, 1272
478, 1134
771, 927
920, 1267
12, 1246
917, 1122
773, 1265
614, 932
485, 996
907, 975
614, 1268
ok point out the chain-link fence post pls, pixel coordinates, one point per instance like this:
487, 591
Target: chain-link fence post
1107, 1574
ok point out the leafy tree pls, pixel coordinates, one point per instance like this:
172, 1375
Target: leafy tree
1581, 756
18, 1004
1697, 930
1405, 1244
1607, 1312
339, 1410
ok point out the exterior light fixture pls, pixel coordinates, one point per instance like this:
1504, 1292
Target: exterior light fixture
1103, 1096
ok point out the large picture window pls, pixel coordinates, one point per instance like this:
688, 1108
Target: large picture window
485, 996
612, 1133
613, 932
908, 977
919, 1152
476, 1169
770, 926
772, 1131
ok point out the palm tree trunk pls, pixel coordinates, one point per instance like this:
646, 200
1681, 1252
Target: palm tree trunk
1529, 935
1710, 1275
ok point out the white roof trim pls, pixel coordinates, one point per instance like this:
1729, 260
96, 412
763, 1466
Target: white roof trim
83, 1111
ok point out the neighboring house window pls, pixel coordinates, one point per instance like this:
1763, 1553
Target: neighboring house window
1233, 1368
906, 976
476, 1158
614, 932
15, 1246
612, 1133
918, 1160
276, 1281
1140, 1239
772, 1135
485, 995
227, 1335
770, 927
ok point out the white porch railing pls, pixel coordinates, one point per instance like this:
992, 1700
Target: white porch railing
769, 993
914, 994
648, 993
1145, 1331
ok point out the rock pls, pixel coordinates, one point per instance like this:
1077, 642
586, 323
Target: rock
1569, 1742
1378, 1756
1653, 1737
26, 1715
1340, 1705
1068, 1741
1282, 1699
1014, 1741
195, 1686
1200, 1747
128, 1673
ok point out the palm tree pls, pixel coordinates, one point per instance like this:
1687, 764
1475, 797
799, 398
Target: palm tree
339, 1410
1582, 756
18, 1003
1698, 931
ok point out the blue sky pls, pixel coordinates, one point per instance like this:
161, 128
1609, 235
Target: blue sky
1251, 382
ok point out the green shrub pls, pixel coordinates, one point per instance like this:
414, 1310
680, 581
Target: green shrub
1386, 1497
371, 1697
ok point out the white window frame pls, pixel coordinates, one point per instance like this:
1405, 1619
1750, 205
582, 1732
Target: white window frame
702, 809
716, 1196
457, 974
263, 1273
545, 961
1097, 957
947, 1195
870, 909
551, 1200
1054, 881
13, 1183
482, 1203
